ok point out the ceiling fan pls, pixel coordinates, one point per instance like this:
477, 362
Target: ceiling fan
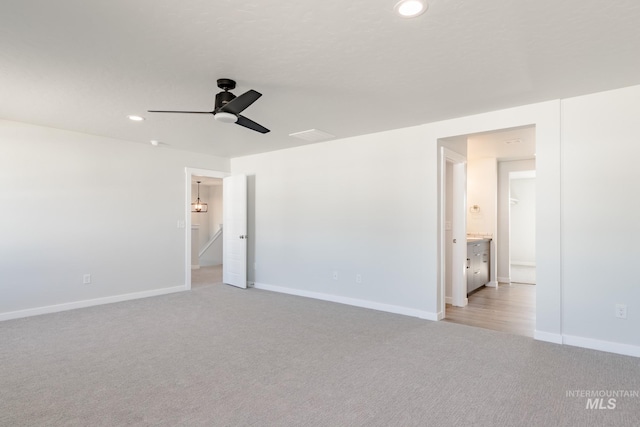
228, 107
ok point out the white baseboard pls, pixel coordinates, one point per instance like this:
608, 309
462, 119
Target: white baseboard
449, 300
523, 263
492, 284
504, 280
611, 347
350, 301
547, 336
88, 303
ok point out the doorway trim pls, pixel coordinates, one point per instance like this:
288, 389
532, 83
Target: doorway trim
458, 227
189, 174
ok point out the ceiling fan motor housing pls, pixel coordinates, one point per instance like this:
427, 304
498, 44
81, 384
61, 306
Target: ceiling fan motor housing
222, 99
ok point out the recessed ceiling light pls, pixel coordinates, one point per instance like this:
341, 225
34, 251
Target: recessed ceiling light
155, 142
136, 118
411, 8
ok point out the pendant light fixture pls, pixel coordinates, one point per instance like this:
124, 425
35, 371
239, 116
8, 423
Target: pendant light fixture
198, 206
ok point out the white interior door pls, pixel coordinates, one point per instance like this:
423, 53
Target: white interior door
459, 228
234, 235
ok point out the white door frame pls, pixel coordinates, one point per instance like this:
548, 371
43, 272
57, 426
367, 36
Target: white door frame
189, 174
458, 227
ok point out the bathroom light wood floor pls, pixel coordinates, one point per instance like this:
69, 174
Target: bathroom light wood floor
507, 308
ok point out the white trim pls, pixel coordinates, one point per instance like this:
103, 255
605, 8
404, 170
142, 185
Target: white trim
459, 228
449, 300
88, 303
608, 346
524, 263
492, 284
506, 280
350, 301
547, 336
189, 173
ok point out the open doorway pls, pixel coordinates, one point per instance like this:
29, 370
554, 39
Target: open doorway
491, 299
203, 230
206, 231
522, 226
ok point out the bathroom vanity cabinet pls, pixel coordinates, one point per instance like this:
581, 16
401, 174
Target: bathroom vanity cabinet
478, 255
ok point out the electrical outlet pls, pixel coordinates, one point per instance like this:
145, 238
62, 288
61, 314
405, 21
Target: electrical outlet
358, 278
86, 279
335, 275
621, 311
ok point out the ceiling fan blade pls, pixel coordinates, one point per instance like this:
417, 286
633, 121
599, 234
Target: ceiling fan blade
240, 103
192, 112
248, 123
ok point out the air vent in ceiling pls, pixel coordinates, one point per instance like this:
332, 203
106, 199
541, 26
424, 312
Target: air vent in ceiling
313, 135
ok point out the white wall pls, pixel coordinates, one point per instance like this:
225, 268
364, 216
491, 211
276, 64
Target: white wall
215, 207
73, 203
318, 209
600, 176
523, 221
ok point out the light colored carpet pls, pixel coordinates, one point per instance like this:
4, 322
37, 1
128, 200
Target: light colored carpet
221, 356
206, 276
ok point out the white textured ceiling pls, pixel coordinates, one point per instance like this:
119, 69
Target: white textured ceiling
345, 67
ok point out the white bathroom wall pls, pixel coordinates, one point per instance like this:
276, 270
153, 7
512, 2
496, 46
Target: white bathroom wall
74, 204
482, 191
523, 221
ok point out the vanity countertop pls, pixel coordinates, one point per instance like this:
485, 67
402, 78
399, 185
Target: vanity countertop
478, 239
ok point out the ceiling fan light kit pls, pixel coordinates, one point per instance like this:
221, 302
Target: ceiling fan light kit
225, 117
228, 107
